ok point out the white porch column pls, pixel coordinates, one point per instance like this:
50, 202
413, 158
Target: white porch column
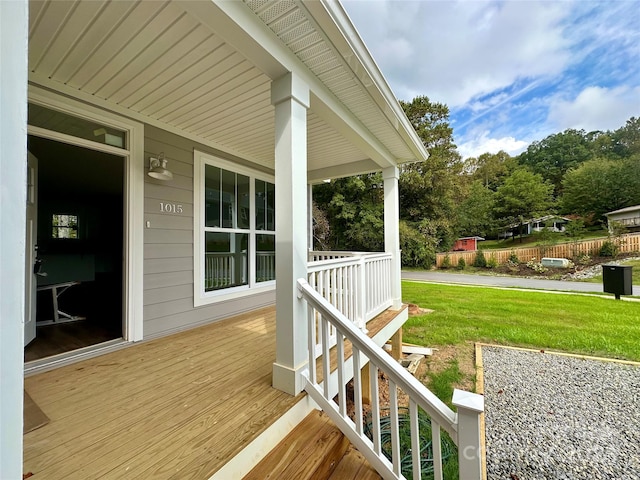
290, 96
310, 217
13, 194
391, 232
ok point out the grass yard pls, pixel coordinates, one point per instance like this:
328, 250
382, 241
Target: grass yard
570, 323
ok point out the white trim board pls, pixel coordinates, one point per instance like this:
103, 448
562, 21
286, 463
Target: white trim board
133, 192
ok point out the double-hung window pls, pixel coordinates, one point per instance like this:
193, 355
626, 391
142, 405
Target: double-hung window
234, 230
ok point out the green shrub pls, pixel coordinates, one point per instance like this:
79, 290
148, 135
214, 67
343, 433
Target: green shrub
461, 264
417, 250
513, 258
609, 249
480, 260
584, 259
446, 262
493, 261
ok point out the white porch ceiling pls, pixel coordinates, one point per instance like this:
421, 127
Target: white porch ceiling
159, 62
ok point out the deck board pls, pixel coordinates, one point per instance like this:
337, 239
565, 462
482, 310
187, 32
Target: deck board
175, 407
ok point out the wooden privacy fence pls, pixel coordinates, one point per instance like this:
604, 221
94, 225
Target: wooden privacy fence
627, 243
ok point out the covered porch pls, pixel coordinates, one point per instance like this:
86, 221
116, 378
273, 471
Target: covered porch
182, 406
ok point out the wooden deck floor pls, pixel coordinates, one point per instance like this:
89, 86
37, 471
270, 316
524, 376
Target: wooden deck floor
173, 408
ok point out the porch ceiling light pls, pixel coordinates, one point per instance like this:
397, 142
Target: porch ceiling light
158, 168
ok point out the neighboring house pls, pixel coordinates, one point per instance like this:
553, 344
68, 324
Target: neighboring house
629, 217
167, 163
551, 222
467, 244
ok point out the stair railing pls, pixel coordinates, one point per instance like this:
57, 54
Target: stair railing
462, 426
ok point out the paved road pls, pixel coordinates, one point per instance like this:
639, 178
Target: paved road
493, 281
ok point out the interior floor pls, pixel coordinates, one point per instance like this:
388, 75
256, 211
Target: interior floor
56, 339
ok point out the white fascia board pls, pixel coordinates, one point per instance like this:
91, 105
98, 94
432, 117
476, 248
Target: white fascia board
253, 39
334, 21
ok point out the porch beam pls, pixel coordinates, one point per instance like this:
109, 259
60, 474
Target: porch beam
290, 96
13, 188
391, 231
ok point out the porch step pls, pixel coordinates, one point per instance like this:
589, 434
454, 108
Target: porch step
354, 466
313, 450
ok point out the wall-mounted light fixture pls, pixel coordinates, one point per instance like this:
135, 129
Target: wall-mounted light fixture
158, 168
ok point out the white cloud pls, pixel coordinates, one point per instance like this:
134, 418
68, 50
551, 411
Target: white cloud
484, 144
456, 51
596, 108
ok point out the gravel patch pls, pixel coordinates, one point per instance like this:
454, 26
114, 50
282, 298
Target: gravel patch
555, 417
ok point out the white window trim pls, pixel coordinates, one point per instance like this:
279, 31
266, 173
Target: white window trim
133, 191
200, 297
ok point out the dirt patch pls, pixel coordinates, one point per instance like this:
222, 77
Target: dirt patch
415, 310
442, 358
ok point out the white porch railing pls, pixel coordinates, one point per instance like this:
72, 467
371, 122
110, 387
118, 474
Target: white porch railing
357, 284
223, 269
265, 266
463, 427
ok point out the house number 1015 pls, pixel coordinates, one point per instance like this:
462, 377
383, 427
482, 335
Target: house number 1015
170, 208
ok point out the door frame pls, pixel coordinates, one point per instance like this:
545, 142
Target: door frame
133, 154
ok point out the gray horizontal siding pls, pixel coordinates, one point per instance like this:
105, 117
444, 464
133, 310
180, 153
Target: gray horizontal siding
168, 244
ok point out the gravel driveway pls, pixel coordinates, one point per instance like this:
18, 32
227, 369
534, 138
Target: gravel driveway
558, 417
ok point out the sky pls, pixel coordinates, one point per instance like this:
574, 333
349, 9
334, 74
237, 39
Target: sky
511, 72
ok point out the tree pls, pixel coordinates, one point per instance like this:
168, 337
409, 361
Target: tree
522, 196
431, 189
355, 209
575, 230
600, 186
627, 139
556, 154
475, 213
490, 168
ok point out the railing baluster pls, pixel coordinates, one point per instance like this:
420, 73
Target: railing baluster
375, 407
416, 457
357, 390
437, 450
333, 288
312, 343
342, 383
340, 276
326, 359
463, 427
395, 427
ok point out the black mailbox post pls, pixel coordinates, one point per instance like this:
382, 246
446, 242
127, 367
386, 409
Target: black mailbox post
617, 279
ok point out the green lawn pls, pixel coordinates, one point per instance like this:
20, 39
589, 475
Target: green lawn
570, 323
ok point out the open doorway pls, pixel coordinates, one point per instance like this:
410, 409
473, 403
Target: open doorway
80, 248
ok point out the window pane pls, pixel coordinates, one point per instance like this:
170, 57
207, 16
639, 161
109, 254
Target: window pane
271, 206
228, 198
64, 226
212, 196
225, 260
243, 201
265, 258
43, 117
261, 204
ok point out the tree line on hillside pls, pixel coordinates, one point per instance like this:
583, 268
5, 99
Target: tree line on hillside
584, 174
